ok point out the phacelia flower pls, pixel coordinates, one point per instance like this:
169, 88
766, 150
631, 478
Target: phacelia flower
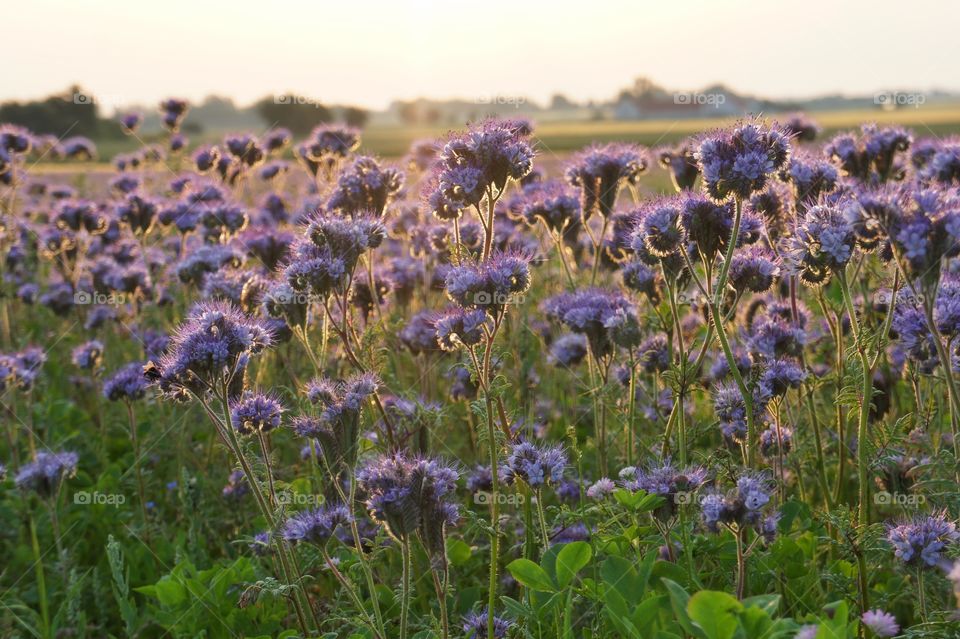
739, 162
822, 245
210, 351
255, 412
536, 465
317, 525
45, 473
922, 540
365, 186
88, 356
600, 171
128, 383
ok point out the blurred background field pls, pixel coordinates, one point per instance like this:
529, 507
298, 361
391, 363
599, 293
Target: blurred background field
559, 138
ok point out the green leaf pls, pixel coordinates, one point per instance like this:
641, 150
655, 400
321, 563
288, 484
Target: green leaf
170, 593
531, 575
458, 552
571, 560
715, 613
678, 601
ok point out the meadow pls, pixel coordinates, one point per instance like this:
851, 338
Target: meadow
690, 379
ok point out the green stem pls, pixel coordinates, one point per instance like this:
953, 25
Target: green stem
405, 589
866, 397
41, 580
544, 534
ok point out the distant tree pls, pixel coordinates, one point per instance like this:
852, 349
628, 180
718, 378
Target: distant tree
355, 116
293, 112
408, 112
560, 102
73, 112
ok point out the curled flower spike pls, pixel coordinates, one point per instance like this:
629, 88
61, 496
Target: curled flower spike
412, 495
738, 162
88, 356
921, 541
600, 172
255, 412
475, 625
536, 465
681, 161
45, 473
602, 316
459, 327
209, 352
316, 526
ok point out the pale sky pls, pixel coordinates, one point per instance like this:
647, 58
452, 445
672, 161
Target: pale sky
369, 52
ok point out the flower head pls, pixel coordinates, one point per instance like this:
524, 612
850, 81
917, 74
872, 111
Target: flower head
738, 162
536, 465
600, 171
317, 525
44, 474
880, 623
255, 412
128, 383
921, 541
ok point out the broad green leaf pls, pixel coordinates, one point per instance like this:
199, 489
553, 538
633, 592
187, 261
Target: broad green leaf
715, 613
571, 560
530, 575
169, 592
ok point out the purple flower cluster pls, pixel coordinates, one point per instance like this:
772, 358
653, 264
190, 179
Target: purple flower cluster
412, 495
210, 352
739, 162
317, 525
600, 171
536, 465
365, 187
606, 318
45, 473
922, 540
746, 505
476, 164
255, 412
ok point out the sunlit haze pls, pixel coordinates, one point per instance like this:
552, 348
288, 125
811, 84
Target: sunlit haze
369, 52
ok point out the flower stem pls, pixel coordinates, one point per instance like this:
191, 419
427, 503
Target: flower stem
41, 580
405, 589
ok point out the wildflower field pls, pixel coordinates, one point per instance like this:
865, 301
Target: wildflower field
273, 387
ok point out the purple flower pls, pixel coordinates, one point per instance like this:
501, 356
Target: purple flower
44, 474
472, 163
459, 327
338, 426
801, 128
536, 465
753, 269
412, 495
675, 485
549, 203
568, 350
921, 541
130, 122
255, 412
365, 186
823, 244
491, 285
316, 526
601, 315
776, 441
780, 375
738, 162
210, 351
128, 383
419, 334
475, 625
327, 146
742, 506
600, 171
811, 178
870, 156
880, 623
659, 228
681, 161
88, 356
